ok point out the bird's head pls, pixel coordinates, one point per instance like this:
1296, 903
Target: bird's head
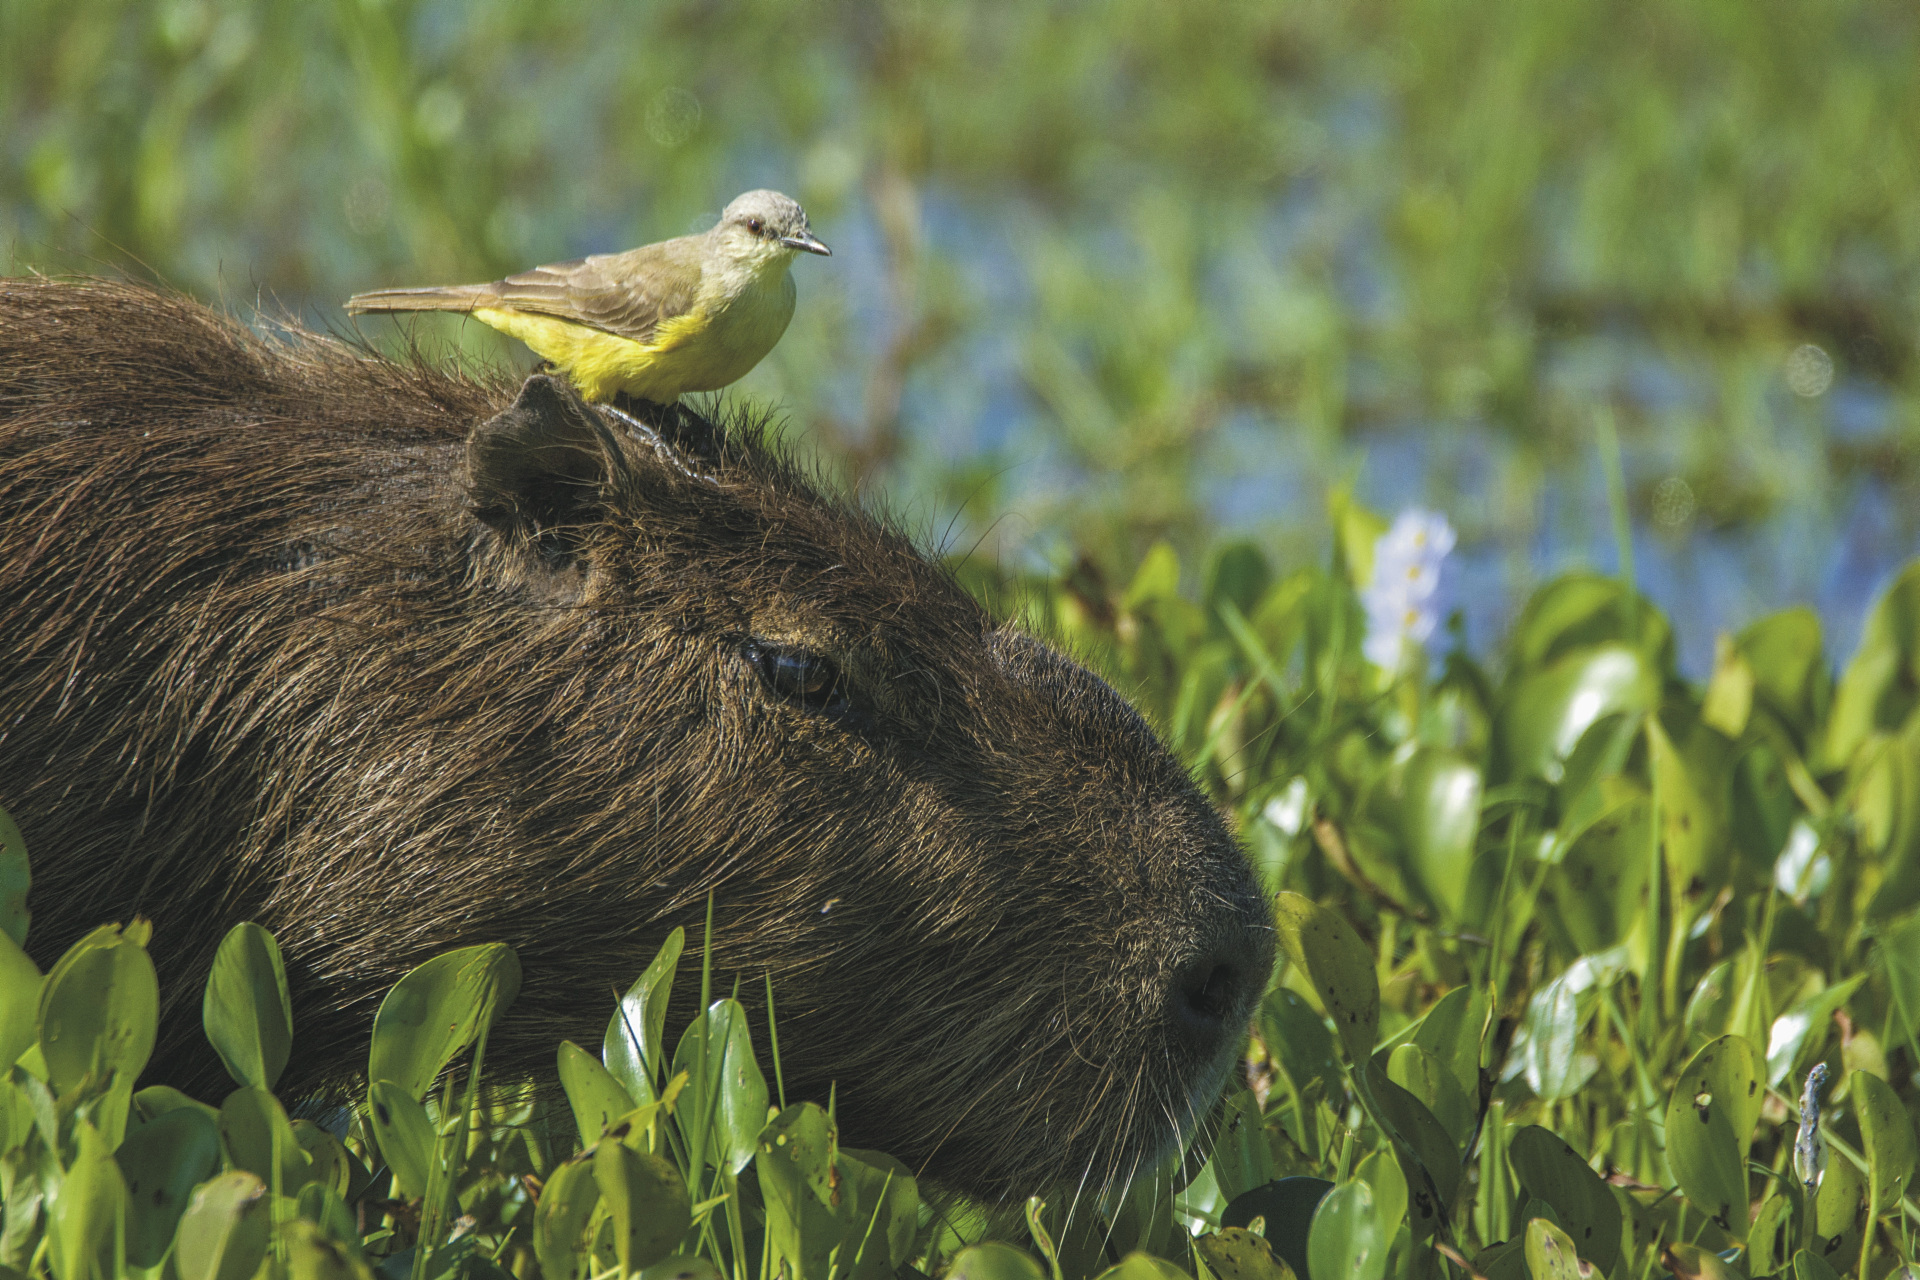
765, 227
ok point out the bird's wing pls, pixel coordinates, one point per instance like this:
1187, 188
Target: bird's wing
626, 294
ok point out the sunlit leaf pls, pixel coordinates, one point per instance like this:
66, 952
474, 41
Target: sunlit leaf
1554, 1172
1709, 1127
99, 1010
1348, 1239
724, 1084
247, 1012
437, 1010
162, 1161
1549, 711
83, 1226
595, 1096
223, 1234
1550, 1252
561, 1218
647, 1199
405, 1135
1237, 1254
635, 1049
1886, 1131
1338, 965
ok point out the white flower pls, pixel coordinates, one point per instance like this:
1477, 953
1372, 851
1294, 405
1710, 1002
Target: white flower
1398, 598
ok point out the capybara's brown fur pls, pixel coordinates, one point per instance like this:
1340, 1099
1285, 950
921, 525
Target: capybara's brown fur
392, 661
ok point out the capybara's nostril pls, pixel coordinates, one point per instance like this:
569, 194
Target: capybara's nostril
1212, 994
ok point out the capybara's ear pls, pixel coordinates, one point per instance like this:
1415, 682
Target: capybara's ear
537, 470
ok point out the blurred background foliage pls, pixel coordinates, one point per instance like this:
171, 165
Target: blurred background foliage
1114, 273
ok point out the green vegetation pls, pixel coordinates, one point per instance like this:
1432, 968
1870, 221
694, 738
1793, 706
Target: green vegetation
1562, 943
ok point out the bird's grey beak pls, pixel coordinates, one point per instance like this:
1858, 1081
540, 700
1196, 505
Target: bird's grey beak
807, 242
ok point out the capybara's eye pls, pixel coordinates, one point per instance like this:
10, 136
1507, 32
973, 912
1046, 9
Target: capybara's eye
800, 676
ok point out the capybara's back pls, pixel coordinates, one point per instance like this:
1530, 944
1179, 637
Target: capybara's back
393, 661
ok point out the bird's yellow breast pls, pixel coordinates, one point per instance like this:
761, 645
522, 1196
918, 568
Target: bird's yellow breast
717, 341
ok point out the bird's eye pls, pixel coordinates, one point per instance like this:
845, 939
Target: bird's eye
800, 676
755, 225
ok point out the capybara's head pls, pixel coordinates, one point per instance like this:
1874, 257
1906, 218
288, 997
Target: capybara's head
363, 651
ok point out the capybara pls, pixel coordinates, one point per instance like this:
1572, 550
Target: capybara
393, 659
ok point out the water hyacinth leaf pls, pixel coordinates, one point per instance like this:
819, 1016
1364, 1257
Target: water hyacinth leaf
1690, 1262
1242, 1156
1451, 1032
1599, 889
886, 1208
647, 1200
1709, 1127
1585, 1207
1287, 1207
1550, 1252
329, 1162
634, 1049
1869, 696
1887, 1133
20, 984
1338, 965
795, 1166
255, 1132
1550, 710
1551, 1057
596, 1097
1438, 794
561, 1220
1729, 699
990, 1261
313, 1254
1582, 609
1791, 1030
16, 877
437, 1010
1347, 1239
162, 1161
223, 1233
99, 1010
1235, 1253
1898, 953
733, 1092
404, 1134
1689, 828
1298, 1039
682, 1267
1839, 1205
1430, 1159
1808, 1265
247, 1011
1428, 1079
83, 1218
1785, 653
1381, 1171
1143, 1266
321, 1205
1770, 1239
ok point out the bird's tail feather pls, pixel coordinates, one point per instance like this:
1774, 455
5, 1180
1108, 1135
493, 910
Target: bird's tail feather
462, 297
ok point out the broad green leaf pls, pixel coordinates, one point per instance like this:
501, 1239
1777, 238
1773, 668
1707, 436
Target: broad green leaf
1242, 1156
247, 1011
405, 1136
1690, 829
647, 1200
1729, 699
1790, 1031
682, 1267
1381, 1172
1356, 530
1451, 1032
1339, 967
437, 1010
329, 1162
886, 1204
223, 1234
83, 1218
595, 1096
634, 1049
99, 1010
1157, 578
1237, 1254
1598, 889
1583, 609
1297, 1038
1550, 1252
1691, 1262
1789, 667
1899, 954
990, 1261
314, 1254
1143, 1266
16, 878
1875, 690
1428, 1079
255, 1132
732, 1094
321, 1205
1808, 1265
156, 1100
1586, 1208
561, 1220
1770, 1239
1422, 1141
1287, 1207
1550, 710
20, 984
1437, 799
1709, 1127
1839, 1204
162, 1161
1347, 1239
795, 1166
1887, 1133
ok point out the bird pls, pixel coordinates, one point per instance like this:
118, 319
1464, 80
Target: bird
694, 313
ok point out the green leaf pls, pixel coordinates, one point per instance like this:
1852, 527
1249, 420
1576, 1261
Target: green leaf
1288, 1207
20, 986
1790, 1030
1381, 1172
797, 1180
313, 1254
561, 1220
595, 1096
1598, 889
1690, 829
83, 1218
1808, 1265
1339, 967
1429, 1157
1691, 1262
1297, 1037
732, 1093
16, 877
1578, 610
1887, 1133
223, 1234
328, 1160
437, 1010
1770, 1239
1242, 1156
162, 1161
886, 1206
634, 1049
1347, 1240
1143, 1266
1550, 1253
989, 1261
1875, 691
1899, 956
647, 1200
1709, 1127
1729, 699
1428, 1079
1550, 710
1437, 803
247, 1011
99, 1011
1157, 578
1837, 1206
1554, 1172
1237, 1254
405, 1136
1789, 666
254, 1130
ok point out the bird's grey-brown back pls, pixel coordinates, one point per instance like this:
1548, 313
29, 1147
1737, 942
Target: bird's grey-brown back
395, 661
